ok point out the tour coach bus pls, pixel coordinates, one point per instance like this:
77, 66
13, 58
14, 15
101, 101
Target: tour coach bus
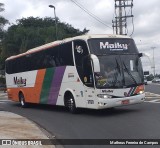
89, 71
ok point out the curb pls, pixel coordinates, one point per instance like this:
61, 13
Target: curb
14, 126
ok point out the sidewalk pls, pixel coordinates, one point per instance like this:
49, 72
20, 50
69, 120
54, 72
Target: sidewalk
13, 126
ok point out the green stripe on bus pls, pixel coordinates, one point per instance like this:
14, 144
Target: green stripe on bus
132, 93
46, 85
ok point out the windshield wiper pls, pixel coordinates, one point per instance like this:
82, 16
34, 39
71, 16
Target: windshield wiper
130, 73
116, 74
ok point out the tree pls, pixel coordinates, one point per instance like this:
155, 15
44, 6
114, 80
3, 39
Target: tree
31, 32
3, 22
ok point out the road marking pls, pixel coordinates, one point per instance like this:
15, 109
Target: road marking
2, 94
153, 101
152, 97
152, 94
4, 101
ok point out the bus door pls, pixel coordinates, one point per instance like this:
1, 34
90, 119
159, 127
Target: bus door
84, 69
88, 82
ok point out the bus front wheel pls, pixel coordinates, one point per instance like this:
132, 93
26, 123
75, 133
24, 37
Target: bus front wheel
22, 100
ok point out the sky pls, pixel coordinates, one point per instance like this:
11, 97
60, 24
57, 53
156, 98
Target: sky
146, 20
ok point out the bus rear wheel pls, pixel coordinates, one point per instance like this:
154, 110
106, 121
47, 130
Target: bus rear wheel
22, 100
70, 104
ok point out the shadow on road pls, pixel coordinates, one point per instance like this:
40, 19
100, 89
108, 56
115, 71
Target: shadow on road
91, 112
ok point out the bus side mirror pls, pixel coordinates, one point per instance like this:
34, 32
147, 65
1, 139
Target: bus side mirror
141, 54
96, 65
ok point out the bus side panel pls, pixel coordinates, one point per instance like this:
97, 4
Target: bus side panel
47, 86
32, 88
72, 83
13, 94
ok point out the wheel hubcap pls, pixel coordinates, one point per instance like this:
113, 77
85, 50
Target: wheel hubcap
70, 104
22, 102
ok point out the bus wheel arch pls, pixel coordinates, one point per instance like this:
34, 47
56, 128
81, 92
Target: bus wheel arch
22, 99
69, 102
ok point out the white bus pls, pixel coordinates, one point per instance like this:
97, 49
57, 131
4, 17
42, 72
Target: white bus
89, 71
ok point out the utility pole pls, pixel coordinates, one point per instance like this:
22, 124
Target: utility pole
120, 18
123, 10
153, 66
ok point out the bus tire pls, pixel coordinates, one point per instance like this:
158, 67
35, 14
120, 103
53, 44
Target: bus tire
70, 104
22, 100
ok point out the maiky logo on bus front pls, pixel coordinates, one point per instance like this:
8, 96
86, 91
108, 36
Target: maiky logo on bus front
20, 82
113, 47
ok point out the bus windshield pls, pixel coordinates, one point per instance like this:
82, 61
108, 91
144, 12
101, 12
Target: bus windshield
120, 65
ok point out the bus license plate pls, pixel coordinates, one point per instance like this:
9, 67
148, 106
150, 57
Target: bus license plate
125, 102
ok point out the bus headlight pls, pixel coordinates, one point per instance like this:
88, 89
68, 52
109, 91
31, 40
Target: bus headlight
103, 96
141, 92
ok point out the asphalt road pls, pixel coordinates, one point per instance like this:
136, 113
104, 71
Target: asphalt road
141, 121
154, 88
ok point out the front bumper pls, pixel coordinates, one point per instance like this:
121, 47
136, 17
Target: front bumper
114, 102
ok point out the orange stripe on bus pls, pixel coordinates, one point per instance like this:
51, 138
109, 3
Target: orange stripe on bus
38, 86
31, 94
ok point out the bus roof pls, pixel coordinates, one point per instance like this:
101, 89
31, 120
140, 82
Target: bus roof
56, 43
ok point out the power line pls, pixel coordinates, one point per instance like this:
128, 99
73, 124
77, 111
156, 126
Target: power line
89, 13
133, 27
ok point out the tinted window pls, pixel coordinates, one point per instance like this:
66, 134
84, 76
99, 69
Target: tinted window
52, 57
65, 54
